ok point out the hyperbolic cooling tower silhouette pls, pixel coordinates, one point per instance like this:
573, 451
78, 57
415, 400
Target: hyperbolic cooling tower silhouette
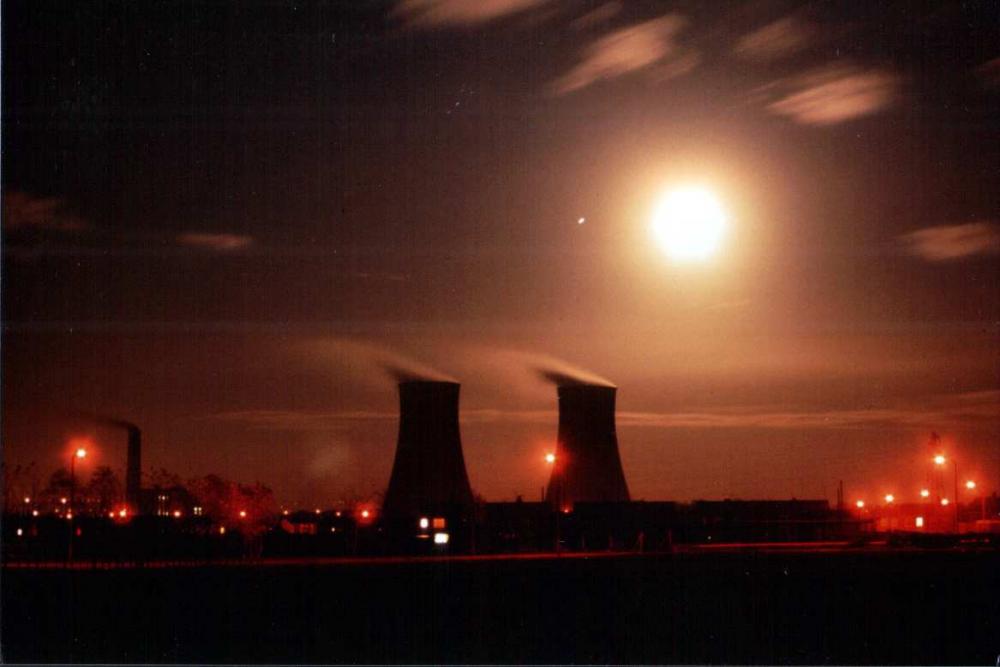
587, 465
428, 474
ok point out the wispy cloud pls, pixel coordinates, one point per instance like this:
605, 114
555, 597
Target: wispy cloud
989, 73
778, 39
430, 13
597, 15
649, 45
833, 94
215, 242
24, 211
968, 410
949, 242
962, 411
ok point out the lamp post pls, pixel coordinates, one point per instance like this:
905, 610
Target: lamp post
78, 453
941, 460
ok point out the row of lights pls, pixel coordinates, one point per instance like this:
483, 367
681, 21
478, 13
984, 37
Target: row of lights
940, 460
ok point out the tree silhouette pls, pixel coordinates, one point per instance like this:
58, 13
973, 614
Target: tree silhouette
60, 483
105, 488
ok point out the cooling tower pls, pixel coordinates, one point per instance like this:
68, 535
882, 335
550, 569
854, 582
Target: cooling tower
587, 466
133, 467
428, 473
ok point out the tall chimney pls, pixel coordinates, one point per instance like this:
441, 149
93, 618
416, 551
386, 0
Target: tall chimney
587, 465
133, 468
428, 474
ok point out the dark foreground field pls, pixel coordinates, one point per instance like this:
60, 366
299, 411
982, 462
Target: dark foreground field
915, 608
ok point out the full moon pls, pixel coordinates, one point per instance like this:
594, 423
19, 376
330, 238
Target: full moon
689, 224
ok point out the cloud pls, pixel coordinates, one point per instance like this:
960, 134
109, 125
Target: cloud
989, 73
647, 45
834, 95
24, 211
967, 410
948, 242
429, 13
778, 39
596, 16
216, 242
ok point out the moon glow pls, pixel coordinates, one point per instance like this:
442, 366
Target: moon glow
689, 224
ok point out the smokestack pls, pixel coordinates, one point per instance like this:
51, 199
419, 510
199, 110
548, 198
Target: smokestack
587, 466
133, 467
133, 456
428, 474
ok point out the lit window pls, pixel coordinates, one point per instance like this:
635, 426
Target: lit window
440, 538
197, 511
20, 532
920, 522
439, 522
424, 522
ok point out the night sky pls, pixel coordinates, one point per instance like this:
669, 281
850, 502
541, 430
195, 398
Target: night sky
226, 221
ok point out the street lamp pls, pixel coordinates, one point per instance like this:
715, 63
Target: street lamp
550, 458
80, 453
889, 498
925, 493
941, 460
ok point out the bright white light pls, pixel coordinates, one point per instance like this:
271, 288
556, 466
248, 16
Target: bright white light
889, 497
550, 458
20, 532
580, 221
924, 493
440, 538
920, 522
944, 501
939, 459
970, 484
424, 522
689, 224
860, 504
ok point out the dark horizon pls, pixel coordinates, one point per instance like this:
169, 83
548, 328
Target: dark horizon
237, 226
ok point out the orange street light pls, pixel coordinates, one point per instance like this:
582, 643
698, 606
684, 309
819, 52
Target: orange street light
550, 458
81, 453
940, 459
